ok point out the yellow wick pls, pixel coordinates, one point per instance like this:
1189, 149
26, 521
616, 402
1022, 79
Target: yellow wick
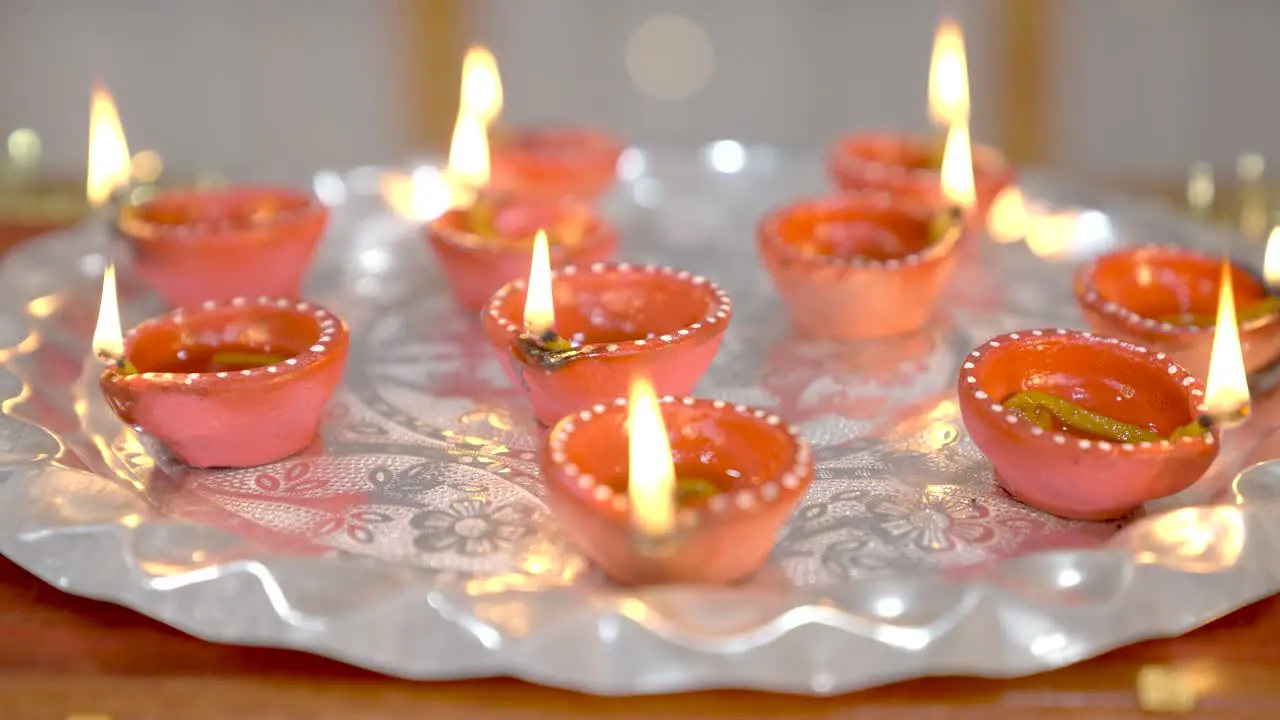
1040, 409
692, 490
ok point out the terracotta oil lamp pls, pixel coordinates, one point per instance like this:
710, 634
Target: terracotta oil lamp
487, 244
486, 239
223, 384
860, 265
1166, 299
31, 206
545, 162
578, 336
554, 161
1042, 406
193, 245
911, 164
700, 504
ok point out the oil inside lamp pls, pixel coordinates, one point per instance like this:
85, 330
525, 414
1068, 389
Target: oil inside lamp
651, 472
1226, 397
948, 77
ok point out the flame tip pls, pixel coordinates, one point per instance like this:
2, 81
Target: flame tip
948, 75
651, 478
110, 164
1227, 382
539, 303
108, 335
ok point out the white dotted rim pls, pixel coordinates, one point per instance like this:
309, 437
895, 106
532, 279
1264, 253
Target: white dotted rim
870, 200
598, 231
986, 159
719, 305
139, 229
988, 405
329, 328
745, 500
1087, 295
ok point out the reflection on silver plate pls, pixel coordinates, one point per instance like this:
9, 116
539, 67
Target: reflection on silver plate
412, 539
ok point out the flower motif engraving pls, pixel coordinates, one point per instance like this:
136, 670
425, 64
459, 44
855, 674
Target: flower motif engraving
854, 557
408, 486
357, 525
934, 520
295, 479
471, 527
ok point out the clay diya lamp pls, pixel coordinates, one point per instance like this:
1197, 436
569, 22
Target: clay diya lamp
1043, 406
740, 473
193, 245
860, 265
31, 206
911, 165
483, 247
234, 384
553, 161
1166, 298
613, 322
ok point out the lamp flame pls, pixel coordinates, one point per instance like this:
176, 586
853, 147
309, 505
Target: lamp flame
1271, 260
957, 168
1227, 387
428, 193
948, 77
539, 312
1007, 220
469, 153
110, 164
424, 195
108, 338
651, 472
480, 105
481, 85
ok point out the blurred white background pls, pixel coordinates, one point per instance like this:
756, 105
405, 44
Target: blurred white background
1133, 89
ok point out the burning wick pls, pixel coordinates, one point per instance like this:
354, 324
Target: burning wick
108, 344
957, 187
1226, 401
540, 339
957, 168
109, 169
946, 227
651, 472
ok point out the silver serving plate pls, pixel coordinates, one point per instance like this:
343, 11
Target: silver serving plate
413, 539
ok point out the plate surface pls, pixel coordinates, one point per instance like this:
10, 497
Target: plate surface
412, 539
